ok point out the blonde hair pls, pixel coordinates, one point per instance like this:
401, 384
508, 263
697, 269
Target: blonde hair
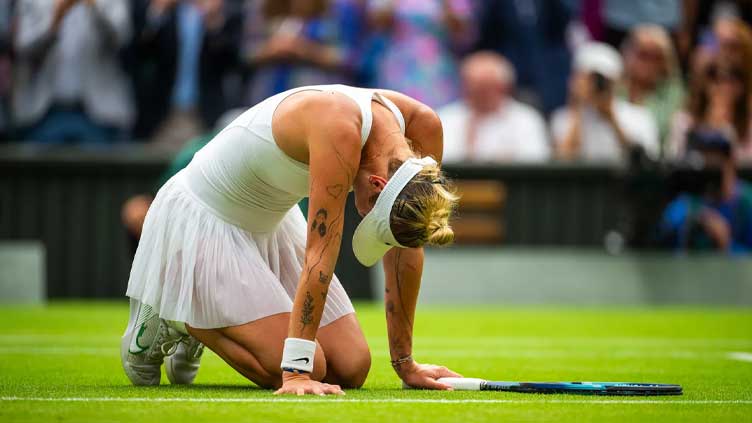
658, 35
420, 214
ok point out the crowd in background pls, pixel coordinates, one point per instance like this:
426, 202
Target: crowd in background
513, 80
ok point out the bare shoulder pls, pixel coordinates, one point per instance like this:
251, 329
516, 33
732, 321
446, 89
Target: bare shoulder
422, 124
316, 119
411, 108
335, 116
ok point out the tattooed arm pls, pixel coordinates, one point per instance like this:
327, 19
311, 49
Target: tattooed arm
334, 155
334, 151
403, 269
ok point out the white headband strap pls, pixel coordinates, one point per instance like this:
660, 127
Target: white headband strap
384, 203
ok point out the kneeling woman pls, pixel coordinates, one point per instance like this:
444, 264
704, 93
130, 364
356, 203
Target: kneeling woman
227, 260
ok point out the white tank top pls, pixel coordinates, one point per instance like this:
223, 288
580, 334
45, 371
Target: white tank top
243, 177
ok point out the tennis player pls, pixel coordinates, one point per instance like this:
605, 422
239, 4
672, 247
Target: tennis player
227, 260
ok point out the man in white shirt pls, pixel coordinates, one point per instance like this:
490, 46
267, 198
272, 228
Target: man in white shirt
487, 124
595, 126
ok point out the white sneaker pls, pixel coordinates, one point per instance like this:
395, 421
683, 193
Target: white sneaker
146, 342
182, 367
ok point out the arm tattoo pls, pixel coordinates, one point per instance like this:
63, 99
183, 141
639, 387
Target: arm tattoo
397, 263
335, 238
335, 190
345, 166
306, 317
323, 278
319, 222
400, 340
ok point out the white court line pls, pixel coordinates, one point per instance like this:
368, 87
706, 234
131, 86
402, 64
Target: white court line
104, 351
448, 352
575, 342
374, 400
740, 356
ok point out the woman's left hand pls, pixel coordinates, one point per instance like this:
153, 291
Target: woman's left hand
424, 375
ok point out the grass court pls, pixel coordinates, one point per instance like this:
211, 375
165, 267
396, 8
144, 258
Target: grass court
61, 363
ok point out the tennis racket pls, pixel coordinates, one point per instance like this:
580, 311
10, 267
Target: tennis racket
582, 388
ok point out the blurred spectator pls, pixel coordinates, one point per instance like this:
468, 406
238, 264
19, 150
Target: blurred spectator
652, 77
6, 30
718, 215
68, 84
730, 40
532, 35
700, 16
733, 39
620, 16
719, 99
596, 126
134, 209
182, 55
293, 43
488, 125
422, 37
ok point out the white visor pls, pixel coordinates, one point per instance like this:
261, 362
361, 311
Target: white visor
373, 237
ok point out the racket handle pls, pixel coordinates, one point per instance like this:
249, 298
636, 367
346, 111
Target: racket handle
462, 383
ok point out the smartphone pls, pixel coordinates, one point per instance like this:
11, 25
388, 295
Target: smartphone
601, 84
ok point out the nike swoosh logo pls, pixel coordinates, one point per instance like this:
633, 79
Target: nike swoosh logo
302, 359
141, 331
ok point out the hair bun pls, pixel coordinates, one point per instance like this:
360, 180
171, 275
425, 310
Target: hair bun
441, 235
421, 214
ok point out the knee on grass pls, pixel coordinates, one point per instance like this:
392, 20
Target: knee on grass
352, 373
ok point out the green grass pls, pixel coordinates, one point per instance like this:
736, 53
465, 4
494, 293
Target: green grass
70, 350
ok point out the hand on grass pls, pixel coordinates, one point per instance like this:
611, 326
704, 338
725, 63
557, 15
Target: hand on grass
301, 384
424, 375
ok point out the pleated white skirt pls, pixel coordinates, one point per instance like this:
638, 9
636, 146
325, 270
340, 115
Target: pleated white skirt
194, 267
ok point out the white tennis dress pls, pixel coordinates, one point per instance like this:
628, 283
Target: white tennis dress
223, 243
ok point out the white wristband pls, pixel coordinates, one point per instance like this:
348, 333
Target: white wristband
298, 355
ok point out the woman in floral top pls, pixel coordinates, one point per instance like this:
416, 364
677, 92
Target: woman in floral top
422, 37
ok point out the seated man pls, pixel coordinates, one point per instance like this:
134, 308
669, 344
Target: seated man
596, 126
488, 125
720, 218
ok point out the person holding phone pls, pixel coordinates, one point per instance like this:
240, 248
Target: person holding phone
596, 126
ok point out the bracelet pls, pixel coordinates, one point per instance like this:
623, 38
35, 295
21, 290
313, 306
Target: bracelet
402, 360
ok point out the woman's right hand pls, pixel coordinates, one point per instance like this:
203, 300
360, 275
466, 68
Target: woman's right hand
302, 384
